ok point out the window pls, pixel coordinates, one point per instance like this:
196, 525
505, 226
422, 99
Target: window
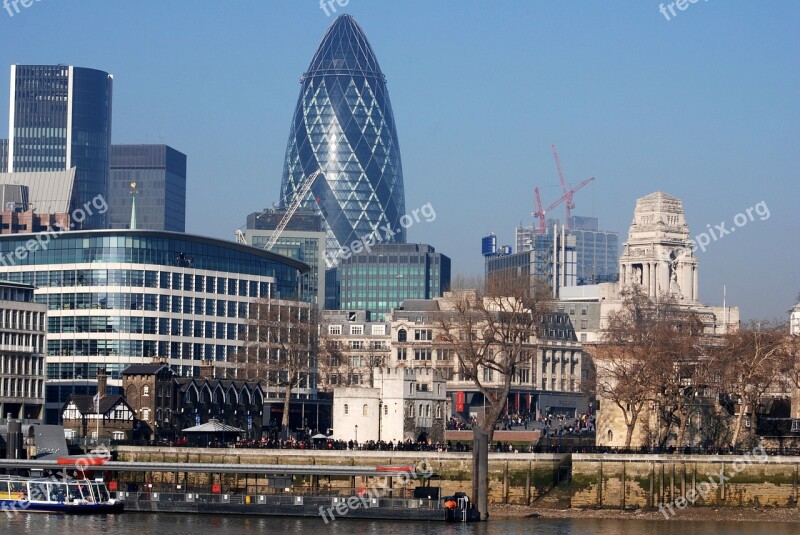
402, 354
346, 408
402, 335
335, 329
357, 329
423, 334
146, 390
583, 337
488, 374
365, 410
584, 324
356, 344
584, 311
378, 330
422, 354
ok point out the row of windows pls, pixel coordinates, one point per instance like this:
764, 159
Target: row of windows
375, 330
138, 325
136, 278
21, 365
21, 319
26, 389
145, 349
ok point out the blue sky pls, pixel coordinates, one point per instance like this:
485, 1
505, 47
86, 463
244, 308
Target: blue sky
704, 107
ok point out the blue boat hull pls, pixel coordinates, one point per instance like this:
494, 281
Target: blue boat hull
62, 508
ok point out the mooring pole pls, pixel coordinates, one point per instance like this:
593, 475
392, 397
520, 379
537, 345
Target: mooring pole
480, 471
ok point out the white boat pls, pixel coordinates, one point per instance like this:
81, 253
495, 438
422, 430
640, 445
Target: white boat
75, 496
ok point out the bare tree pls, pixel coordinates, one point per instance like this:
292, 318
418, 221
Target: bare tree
646, 356
492, 333
333, 367
750, 363
280, 347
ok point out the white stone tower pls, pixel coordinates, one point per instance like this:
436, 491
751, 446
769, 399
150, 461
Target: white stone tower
658, 254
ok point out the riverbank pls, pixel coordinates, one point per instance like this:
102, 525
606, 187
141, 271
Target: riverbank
700, 514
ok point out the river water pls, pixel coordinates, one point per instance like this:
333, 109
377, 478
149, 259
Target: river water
173, 524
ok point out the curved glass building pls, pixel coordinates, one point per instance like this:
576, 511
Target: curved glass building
121, 297
343, 124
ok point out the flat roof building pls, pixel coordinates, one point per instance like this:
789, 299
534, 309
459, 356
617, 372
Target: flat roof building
156, 176
122, 297
22, 352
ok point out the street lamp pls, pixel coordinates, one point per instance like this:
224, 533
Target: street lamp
356, 433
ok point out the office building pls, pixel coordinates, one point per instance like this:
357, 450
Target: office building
303, 239
59, 119
380, 279
343, 124
156, 176
123, 297
551, 259
22, 352
3, 155
596, 251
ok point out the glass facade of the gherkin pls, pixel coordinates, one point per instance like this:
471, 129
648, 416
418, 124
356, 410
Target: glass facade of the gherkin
343, 125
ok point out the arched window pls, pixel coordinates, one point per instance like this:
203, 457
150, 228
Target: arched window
365, 410
610, 436
402, 336
346, 409
146, 390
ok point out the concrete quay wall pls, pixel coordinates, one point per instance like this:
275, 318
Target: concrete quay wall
680, 481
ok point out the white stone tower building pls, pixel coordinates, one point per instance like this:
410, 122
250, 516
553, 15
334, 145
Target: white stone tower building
658, 254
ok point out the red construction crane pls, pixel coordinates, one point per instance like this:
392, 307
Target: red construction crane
568, 193
540, 212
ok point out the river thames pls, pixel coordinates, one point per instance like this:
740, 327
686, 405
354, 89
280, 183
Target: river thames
169, 524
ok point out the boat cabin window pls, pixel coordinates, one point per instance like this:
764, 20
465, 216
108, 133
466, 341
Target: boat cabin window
38, 492
101, 492
4, 490
58, 492
74, 492
19, 488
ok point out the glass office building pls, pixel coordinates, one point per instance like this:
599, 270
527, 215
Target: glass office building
303, 239
60, 118
159, 172
381, 279
3, 155
116, 298
343, 125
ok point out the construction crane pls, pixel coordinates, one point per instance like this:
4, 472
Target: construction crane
298, 200
540, 212
568, 193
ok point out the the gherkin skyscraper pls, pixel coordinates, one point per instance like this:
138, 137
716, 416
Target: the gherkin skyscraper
343, 125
